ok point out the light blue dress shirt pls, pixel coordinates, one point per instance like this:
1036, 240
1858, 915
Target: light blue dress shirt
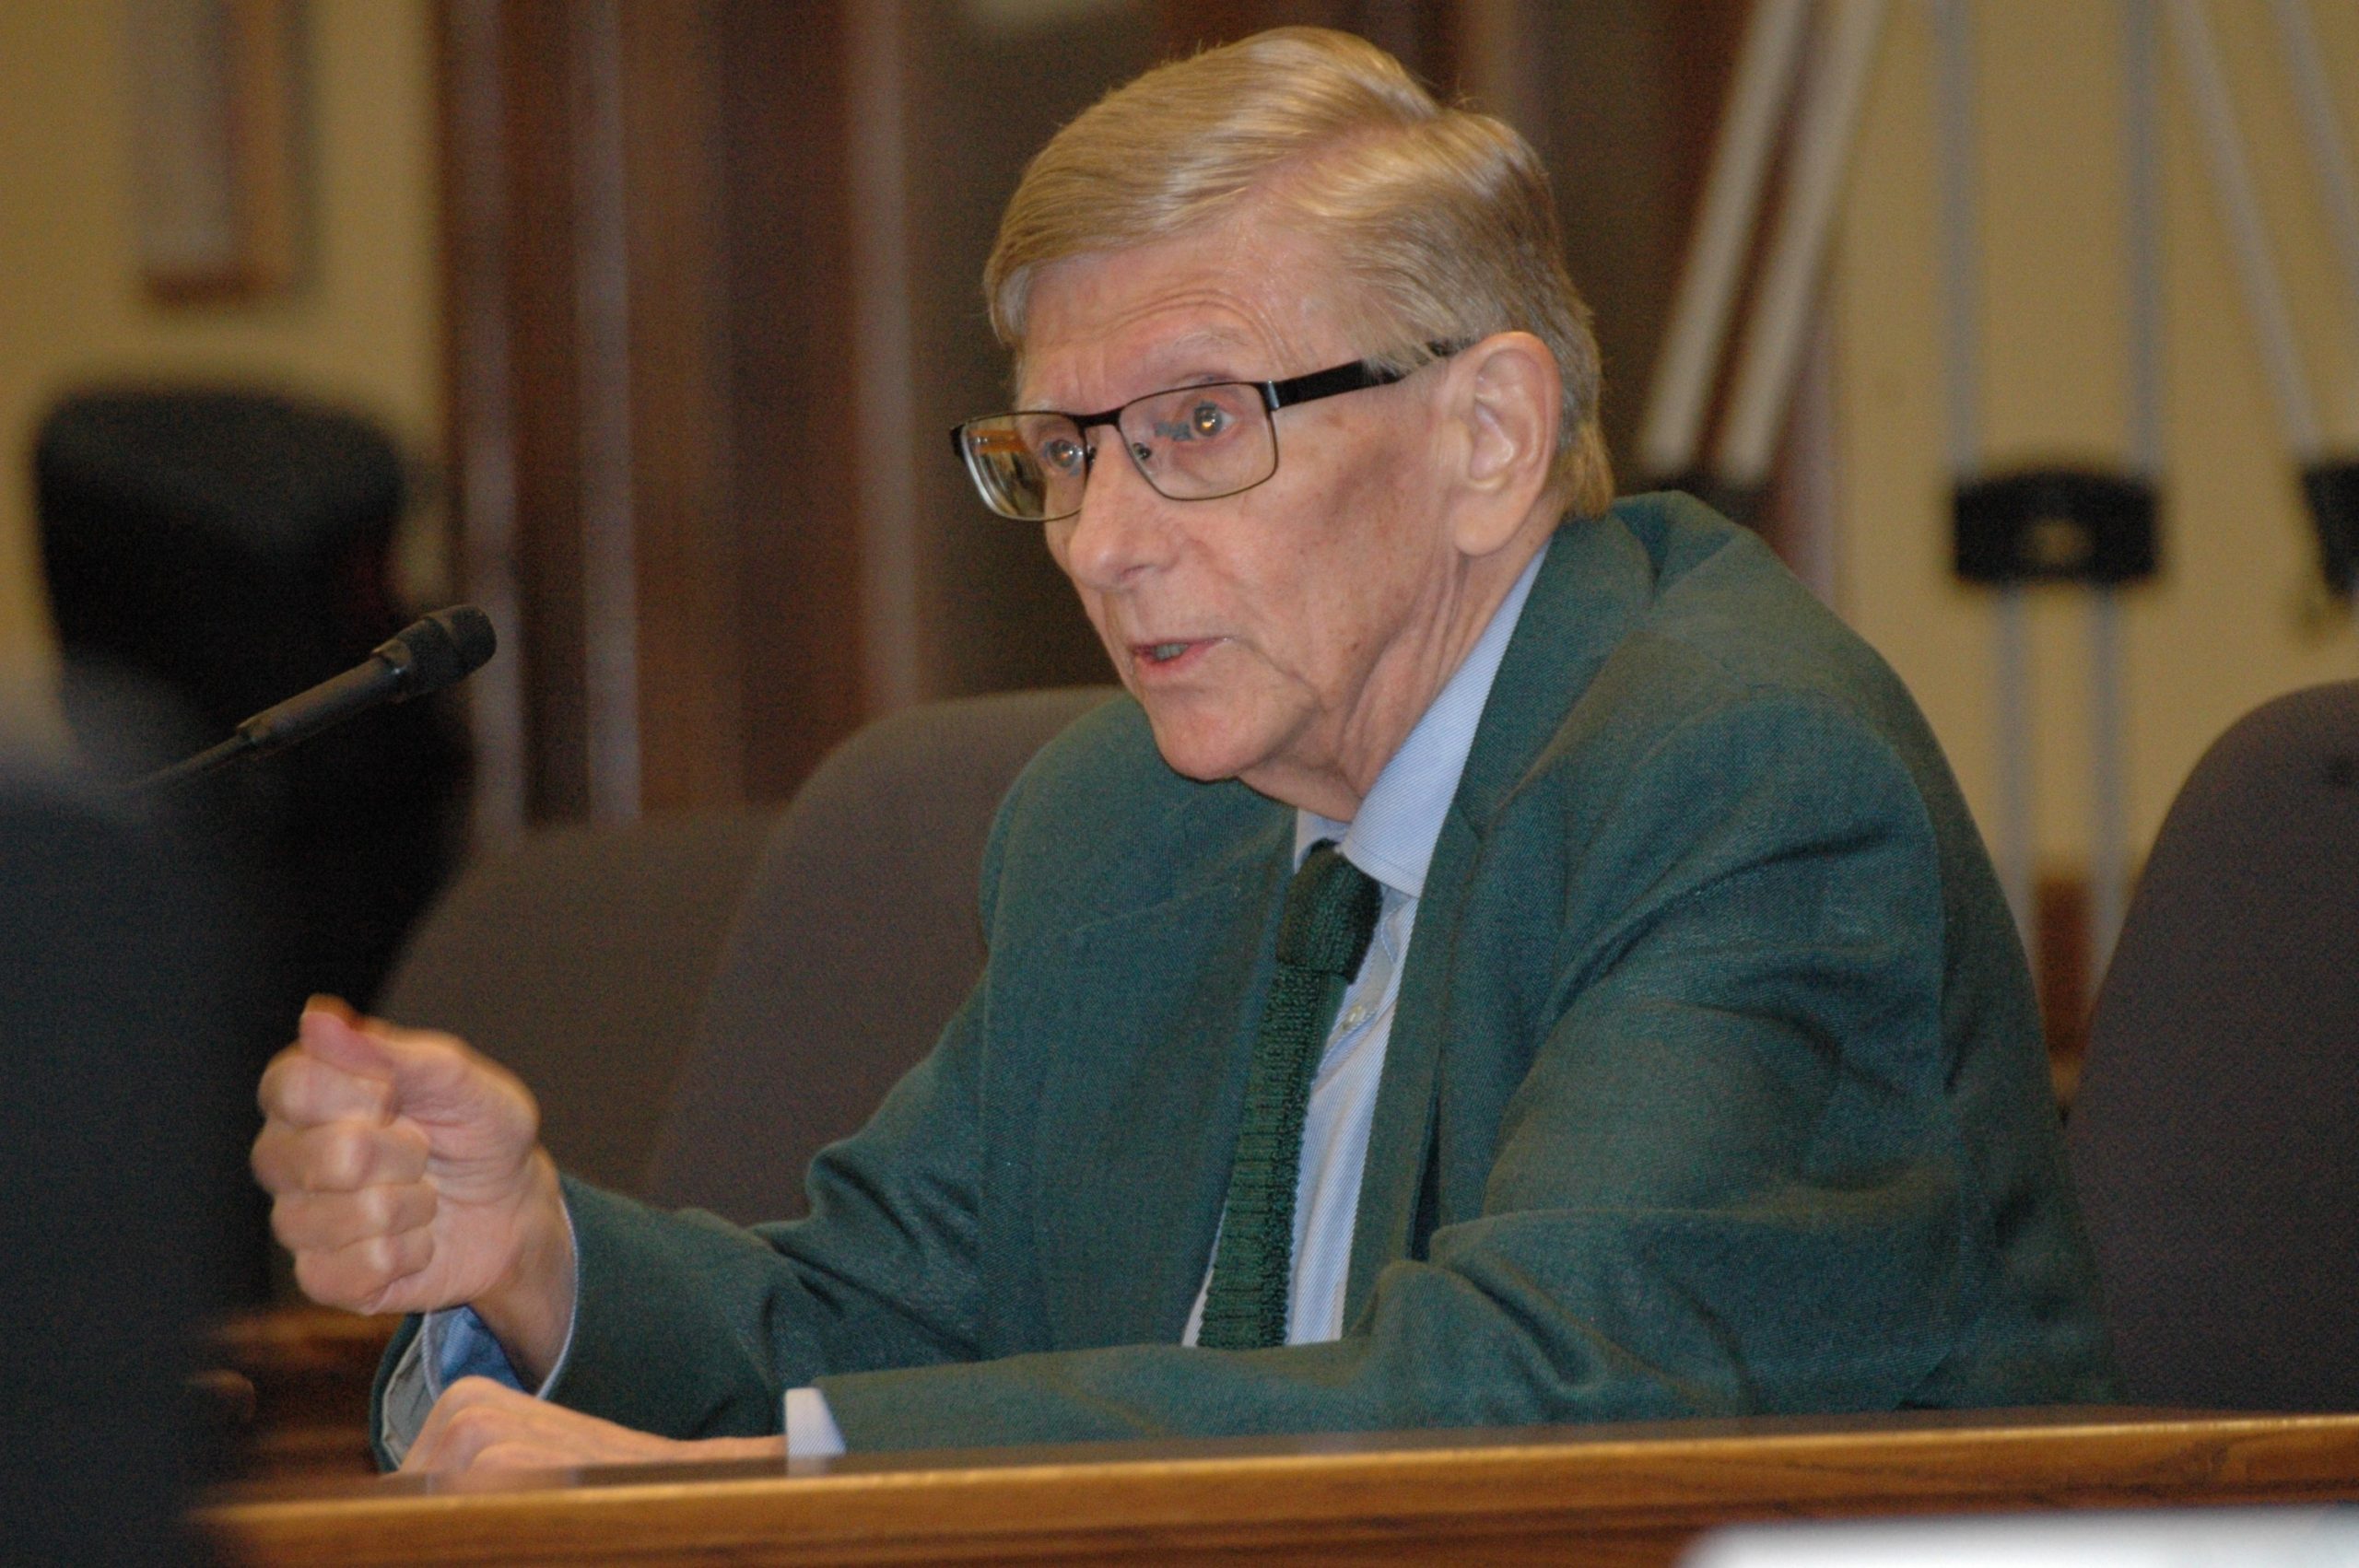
1392, 840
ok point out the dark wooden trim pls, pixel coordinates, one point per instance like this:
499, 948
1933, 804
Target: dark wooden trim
683, 535
652, 362
478, 447
545, 393
603, 297
788, 367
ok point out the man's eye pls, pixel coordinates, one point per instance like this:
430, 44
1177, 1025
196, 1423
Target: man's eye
1064, 456
1207, 420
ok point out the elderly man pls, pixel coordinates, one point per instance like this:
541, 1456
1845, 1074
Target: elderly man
1512, 959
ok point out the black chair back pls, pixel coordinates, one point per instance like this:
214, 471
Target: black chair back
123, 1138
2215, 1137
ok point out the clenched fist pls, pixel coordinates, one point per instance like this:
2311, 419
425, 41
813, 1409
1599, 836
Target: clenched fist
407, 1175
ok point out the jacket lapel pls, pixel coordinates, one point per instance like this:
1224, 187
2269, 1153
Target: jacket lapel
1594, 586
1141, 1103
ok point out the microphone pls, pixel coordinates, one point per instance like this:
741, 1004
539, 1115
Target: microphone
428, 654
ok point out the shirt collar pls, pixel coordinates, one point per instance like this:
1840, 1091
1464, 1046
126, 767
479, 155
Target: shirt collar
1392, 837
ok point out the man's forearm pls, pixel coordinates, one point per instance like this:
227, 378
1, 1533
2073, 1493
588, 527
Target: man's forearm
530, 1311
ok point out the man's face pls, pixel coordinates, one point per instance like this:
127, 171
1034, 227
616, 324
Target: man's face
1291, 634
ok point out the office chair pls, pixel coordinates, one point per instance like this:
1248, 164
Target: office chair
2216, 1138
700, 1003
580, 961
858, 938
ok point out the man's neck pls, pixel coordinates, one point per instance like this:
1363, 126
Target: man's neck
1391, 837
1423, 671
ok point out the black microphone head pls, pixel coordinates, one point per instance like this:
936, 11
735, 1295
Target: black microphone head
442, 649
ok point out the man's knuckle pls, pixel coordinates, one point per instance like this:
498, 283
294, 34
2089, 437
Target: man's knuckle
380, 1257
314, 1088
415, 1247
474, 1426
323, 1279
280, 1091
290, 1223
446, 1052
329, 1164
268, 1159
377, 1210
347, 1153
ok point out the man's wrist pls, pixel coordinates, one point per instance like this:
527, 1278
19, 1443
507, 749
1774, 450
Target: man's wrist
530, 1308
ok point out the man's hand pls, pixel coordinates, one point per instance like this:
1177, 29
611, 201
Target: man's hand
481, 1425
407, 1175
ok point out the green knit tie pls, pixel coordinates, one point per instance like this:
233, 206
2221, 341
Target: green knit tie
1330, 913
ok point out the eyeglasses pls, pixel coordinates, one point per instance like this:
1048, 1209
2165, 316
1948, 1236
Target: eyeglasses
1192, 443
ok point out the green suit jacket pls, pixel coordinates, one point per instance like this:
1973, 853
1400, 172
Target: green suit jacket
1715, 1084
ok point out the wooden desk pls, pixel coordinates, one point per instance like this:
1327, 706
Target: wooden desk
1606, 1494
307, 1371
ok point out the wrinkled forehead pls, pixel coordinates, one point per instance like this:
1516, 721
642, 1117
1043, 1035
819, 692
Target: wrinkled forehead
1245, 300
1088, 374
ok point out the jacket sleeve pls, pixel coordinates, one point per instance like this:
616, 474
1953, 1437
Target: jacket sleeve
688, 1326
1731, 1181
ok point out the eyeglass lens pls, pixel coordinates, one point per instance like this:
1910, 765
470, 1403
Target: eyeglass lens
1192, 443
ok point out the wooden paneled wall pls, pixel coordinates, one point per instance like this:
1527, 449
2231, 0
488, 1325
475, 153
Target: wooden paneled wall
712, 299
649, 256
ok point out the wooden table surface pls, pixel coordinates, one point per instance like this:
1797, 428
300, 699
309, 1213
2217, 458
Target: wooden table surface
1598, 1494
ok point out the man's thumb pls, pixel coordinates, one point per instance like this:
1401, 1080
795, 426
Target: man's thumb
428, 1072
330, 1032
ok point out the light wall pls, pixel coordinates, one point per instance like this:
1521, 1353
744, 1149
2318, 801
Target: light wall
2221, 631
361, 327
2224, 626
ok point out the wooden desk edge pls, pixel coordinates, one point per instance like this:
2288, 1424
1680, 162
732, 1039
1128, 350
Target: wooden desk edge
1409, 1487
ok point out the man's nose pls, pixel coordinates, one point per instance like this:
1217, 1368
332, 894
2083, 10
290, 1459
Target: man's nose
1124, 527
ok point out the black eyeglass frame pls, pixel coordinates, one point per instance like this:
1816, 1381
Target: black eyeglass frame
1358, 375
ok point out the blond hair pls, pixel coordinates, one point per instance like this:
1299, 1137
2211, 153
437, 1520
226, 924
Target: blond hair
1440, 218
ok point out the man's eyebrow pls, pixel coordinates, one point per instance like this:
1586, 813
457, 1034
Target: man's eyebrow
1210, 359
1201, 373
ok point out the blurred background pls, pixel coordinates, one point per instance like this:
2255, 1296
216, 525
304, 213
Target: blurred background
660, 308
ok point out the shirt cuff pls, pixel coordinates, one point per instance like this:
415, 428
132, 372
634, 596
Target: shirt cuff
405, 1402
811, 1429
453, 1343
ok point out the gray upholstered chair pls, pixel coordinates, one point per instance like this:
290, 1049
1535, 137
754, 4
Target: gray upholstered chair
580, 959
2215, 1137
702, 1001
857, 940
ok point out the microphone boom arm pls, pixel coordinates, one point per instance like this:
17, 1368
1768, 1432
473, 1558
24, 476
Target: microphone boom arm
434, 651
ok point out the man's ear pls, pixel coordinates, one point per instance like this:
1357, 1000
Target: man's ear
1508, 397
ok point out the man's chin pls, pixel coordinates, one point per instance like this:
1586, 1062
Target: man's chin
1193, 754
1187, 766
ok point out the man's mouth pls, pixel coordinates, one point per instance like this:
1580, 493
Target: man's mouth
1158, 654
